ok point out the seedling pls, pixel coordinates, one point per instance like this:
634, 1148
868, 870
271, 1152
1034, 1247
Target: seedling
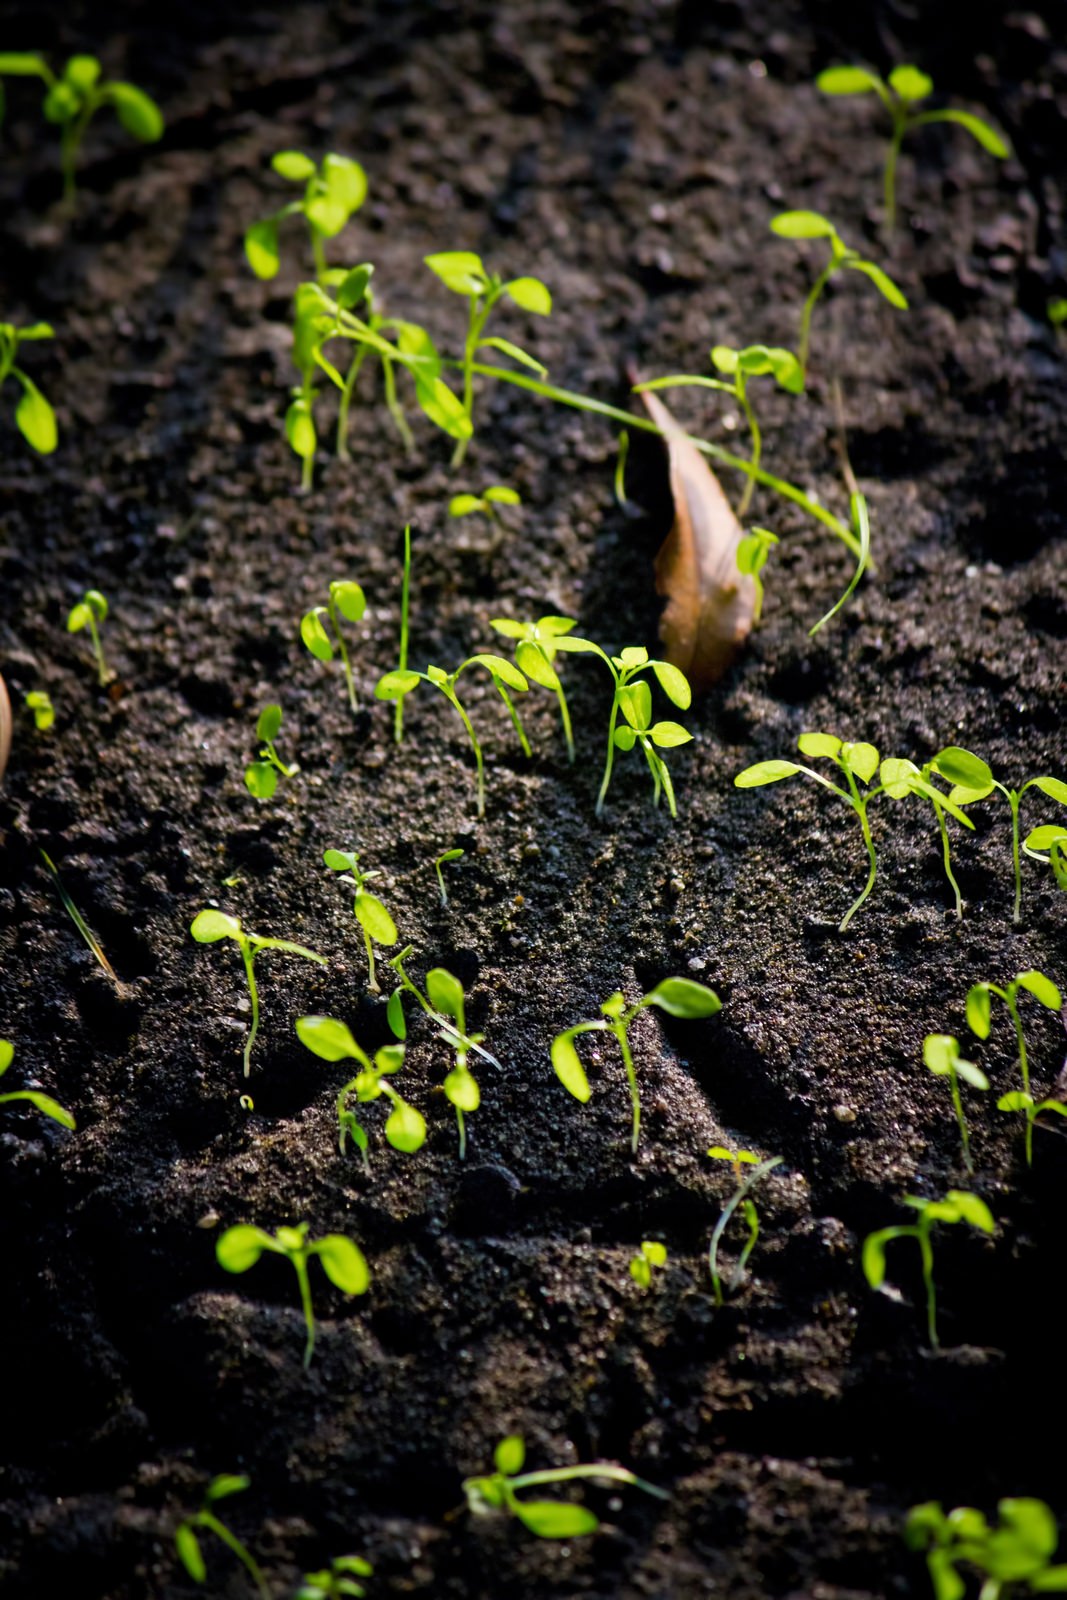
548, 1519
34, 417
187, 1543
346, 599
442, 860
89, 613
338, 1580
907, 86
738, 1160
957, 1206
40, 1102
73, 100
44, 712
92, 943
752, 554
333, 191
331, 1040
394, 685
485, 504
465, 274
261, 777
1052, 838
941, 1054
1017, 1551
901, 778
210, 926
810, 225
537, 644
979, 996
651, 1257
342, 1261
378, 926
678, 997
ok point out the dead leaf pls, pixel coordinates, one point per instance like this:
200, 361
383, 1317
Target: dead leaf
5, 726
710, 605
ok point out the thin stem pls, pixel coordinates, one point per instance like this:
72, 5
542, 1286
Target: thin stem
926, 1251
248, 955
474, 328
565, 718
757, 446
347, 391
610, 762
860, 807
300, 1263
618, 1028
373, 983
805, 316
405, 601
939, 810
345, 662
462, 1135
102, 673
233, 1544
957, 1101
1013, 1009
1013, 800
394, 407
319, 254
752, 1217
476, 747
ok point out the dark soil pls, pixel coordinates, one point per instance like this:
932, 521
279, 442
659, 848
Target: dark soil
629, 152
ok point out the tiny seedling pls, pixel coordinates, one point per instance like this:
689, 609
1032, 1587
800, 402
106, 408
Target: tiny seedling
40, 1102
346, 599
745, 1183
957, 1206
34, 417
901, 95
210, 926
1015, 1100
537, 644
1053, 839
187, 1541
548, 1519
752, 554
941, 1055
651, 1257
901, 778
44, 712
1017, 1551
338, 1580
342, 1261
439, 862
485, 504
979, 1007
810, 225
89, 613
261, 777
331, 1040
92, 943
71, 101
333, 191
678, 997
378, 926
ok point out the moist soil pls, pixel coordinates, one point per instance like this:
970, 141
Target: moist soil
630, 154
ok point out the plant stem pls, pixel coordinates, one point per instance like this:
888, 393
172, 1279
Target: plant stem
957, 1101
476, 747
248, 955
618, 1028
805, 316
926, 1251
345, 662
347, 391
394, 407
462, 1135
300, 1263
1013, 800
757, 446
1013, 1009
474, 328
233, 1544
860, 808
948, 860
565, 718
373, 982
319, 254
405, 600
609, 763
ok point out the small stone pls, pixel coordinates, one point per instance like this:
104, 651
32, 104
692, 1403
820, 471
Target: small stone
845, 1114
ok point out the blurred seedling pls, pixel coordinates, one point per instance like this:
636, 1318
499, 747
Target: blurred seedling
745, 1183
40, 1102
1053, 839
979, 1020
752, 555
90, 613
678, 997
901, 778
343, 1262
901, 96
332, 1040
536, 647
1017, 1551
440, 861
210, 926
803, 225
72, 100
1032, 1110
444, 1004
346, 599
651, 1257
187, 1540
261, 777
44, 712
34, 417
941, 1055
376, 922
957, 1206
333, 191
498, 1492
337, 1581
485, 504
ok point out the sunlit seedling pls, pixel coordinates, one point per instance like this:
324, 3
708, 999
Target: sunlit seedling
745, 1182
1049, 845
44, 712
498, 1492
261, 777
210, 926
445, 1005
34, 417
979, 1020
902, 778
957, 1206
941, 1055
752, 555
338, 1581
40, 1102
90, 613
333, 191
206, 1520
332, 1040
536, 647
486, 504
1014, 1556
321, 628
343, 1262
650, 1258
440, 861
377, 924
678, 997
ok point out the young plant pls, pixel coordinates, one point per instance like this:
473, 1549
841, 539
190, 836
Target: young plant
652, 1256
537, 644
752, 554
979, 1007
89, 613
210, 926
1053, 838
485, 504
44, 712
901, 778
342, 1261
333, 191
261, 777
40, 1102
810, 225
72, 100
34, 417
378, 926
548, 1519
346, 599
337, 1581
941, 1055
186, 1535
678, 997
957, 1206
901, 95
745, 1183
1017, 1551
331, 1040
440, 861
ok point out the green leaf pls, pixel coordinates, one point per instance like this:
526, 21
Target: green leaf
78, 618
1016, 1100
138, 113
532, 660
328, 1038
394, 685
208, 926
394, 1014
294, 165
461, 1090
7, 1055
1041, 838
516, 353
341, 860
405, 1128
442, 407
882, 282
940, 1053
682, 997
268, 723
82, 72
978, 1007
555, 1519
343, 1263
963, 768
802, 225
818, 744
372, 915
635, 703
462, 505
674, 683
36, 330
634, 655
986, 136
873, 1258
501, 668
189, 1552
35, 419
1053, 787
846, 80
300, 429
765, 772
654, 1252
531, 294
459, 270
623, 738
444, 992
346, 184
241, 1247
910, 84
1043, 989
668, 735
225, 1484
43, 1103
972, 1209
861, 759
509, 1455
499, 494
354, 286
971, 1074
315, 636
261, 249
568, 1067
22, 64
349, 599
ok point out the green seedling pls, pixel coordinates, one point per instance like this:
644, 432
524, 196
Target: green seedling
261, 777
901, 778
40, 1102
187, 1541
678, 997
342, 1261
745, 1183
71, 101
1057, 311
92, 943
210, 926
1014, 1557
651, 1257
901, 95
1053, 839
394, 685
465, 274
752, 554
346, 599
957, 1206
34, 417
442, 860
537, 644
89, 613
333, 191
941, 1055
810, 225
1031, 1109
498, 1492
485, 504
338, 1580
979, 1020
44, 712
378, 926
331, 1040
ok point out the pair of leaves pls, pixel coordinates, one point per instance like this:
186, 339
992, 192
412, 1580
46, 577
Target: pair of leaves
465, 273
678, 997
979, 998
343, 1262
941, 1055
812, 225
348, 599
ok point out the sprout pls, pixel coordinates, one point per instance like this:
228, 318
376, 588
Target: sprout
333, 191
941, 1054
979, 1020
343, 1262
205, 1521
346, 599
34, 417
261, 777
332, 1040
210, 926
957, 1206
89, 613
738, 1160
498, 1492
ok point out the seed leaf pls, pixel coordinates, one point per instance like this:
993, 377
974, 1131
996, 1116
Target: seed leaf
765, 772
405, 1128
208, 926
327, 1038
461, 1089
818, 744
445, 992
1042, 989
682, 997
1053, 787
138, 113
568, 1067
986, 136
802, 225
35, 419
555, 1519
845, 80
241, 1247
509, 1455
372, 915
344, 1263
190, 1553
978, 1007
261, 249
910, 84
668, 735
315, 636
